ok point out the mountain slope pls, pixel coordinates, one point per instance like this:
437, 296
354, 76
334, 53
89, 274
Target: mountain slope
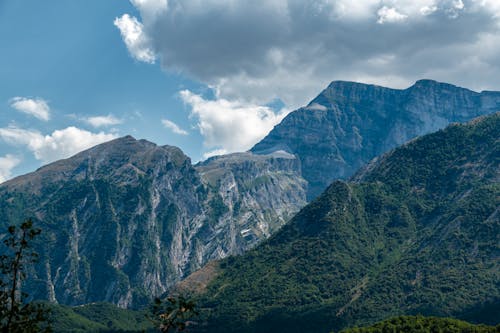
417, 231
419, 324
125, 220
350, 123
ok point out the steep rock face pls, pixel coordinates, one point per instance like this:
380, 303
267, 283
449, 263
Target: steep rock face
126, 219
118, 220
259, 192
415, 232
350, 123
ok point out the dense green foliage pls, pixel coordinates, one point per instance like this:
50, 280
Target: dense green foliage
174, 313
417, 232
420, 324
98, 317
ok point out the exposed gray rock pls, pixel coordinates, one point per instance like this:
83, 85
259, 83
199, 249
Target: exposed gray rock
350, 123
125, 220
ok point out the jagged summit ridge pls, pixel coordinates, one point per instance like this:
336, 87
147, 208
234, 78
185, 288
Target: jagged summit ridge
350, 123
108, 159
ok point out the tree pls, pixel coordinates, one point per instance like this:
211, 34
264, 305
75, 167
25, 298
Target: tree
17, 315
173, 314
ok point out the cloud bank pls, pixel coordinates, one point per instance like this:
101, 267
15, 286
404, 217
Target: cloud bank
60, 144
229, 126
259, 50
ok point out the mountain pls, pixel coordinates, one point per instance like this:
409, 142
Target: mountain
350, 123
414, 232
125, 220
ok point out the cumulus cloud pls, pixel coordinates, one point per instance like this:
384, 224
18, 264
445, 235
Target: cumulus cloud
256, 51
173, 127
390, 15
102, 121
7, 163
230, 126
36, 107
136, 40
60, 144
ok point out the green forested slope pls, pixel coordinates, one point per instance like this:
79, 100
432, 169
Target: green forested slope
416, 232
97, 317
419, 324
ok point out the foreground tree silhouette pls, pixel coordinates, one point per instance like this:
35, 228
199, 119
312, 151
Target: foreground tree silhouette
17, 315
173, 314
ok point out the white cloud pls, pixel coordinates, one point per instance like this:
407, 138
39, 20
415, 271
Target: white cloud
299, 46
150, 9
230, 126
390, 15
173, 127
36, 107
490, 5
60, 144
215, 152
101, 121
7, 163
428, 10
458, 4
136, 40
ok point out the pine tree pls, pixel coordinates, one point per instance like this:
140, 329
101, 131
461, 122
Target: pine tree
16, 314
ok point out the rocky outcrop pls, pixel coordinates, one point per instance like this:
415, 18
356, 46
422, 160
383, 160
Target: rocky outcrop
350, 123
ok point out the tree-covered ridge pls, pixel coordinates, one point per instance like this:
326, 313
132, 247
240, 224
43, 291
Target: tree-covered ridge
416, 232
420, 324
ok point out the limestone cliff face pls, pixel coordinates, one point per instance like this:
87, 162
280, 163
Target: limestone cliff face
126, 219
350, 123
259, 194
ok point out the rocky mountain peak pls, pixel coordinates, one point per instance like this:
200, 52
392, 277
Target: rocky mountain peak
350, 123
121, 157
343, 92
126, 219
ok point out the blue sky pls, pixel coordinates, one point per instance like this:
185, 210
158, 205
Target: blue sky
69, 54
214, 76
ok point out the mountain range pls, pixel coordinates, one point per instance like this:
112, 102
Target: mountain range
350, 123
414, 232
126, 220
